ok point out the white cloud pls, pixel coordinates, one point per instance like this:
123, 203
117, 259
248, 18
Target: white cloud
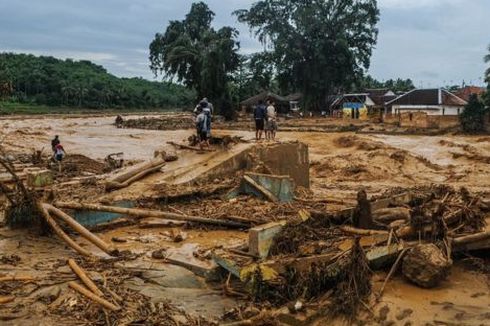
411, 4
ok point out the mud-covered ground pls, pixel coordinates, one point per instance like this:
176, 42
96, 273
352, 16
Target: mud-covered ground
340, 164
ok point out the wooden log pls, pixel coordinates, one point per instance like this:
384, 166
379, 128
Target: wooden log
80, 289
137, 169
79, 228
85, 279
6, 299
143, 213
56, 228
16, 278
112, 185
472, 238
356, 231
267, 194
408, 230
124, 179
193, 148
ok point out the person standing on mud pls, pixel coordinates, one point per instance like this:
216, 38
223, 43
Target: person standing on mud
59, 154
259, 116
202, 125
271, 127
55, 141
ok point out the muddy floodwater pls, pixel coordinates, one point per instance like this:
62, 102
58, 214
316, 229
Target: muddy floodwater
340, 164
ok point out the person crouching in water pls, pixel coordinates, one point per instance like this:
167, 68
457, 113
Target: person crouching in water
59, 154
203, 125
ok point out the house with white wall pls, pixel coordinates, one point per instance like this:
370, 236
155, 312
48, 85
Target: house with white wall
436, 101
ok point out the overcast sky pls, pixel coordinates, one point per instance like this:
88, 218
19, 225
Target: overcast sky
434, 42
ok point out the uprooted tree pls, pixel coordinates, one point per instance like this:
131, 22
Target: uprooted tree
473, 116
197, 55
318, 47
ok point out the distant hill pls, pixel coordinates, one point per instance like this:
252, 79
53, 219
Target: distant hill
30, 79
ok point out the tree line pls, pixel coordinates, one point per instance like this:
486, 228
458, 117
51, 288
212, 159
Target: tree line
315, 47
45, 80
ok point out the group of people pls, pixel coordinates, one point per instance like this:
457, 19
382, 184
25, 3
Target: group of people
204, 112
265, 119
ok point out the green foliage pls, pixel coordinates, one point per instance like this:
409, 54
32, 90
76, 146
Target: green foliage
196, 54
398, 85
318, 47
32, 80
254, 75
473, 115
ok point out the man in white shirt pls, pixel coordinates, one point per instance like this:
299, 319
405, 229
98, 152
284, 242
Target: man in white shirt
271, 127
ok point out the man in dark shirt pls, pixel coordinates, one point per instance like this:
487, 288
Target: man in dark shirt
54, 142
259, 116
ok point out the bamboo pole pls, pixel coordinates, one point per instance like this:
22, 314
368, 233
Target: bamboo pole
56, 228
85, 279
79, 228
143, 213
80, 289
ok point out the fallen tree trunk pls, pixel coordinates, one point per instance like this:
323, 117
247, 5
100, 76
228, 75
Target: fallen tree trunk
79, 228
143, 213
125, 179
85, 279
80, 289
56, 228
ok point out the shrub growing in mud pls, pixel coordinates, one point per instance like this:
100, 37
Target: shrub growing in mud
473, 116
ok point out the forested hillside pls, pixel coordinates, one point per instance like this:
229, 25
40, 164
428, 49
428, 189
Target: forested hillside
49, 81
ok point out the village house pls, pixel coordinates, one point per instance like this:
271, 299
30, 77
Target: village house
370, 103
467, 91
426, 108
435, 101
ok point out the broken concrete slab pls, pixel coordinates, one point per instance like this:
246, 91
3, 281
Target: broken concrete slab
272, 187
260, 238
184, 257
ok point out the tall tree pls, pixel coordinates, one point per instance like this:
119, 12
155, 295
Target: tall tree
318, 46
197, 55
487, 78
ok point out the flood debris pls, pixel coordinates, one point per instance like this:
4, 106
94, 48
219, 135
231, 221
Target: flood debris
254, 235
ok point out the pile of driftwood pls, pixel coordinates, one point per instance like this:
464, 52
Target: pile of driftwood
328, 256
